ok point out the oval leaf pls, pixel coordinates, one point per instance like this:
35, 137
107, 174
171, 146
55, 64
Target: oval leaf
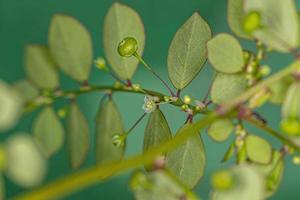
188, 160
108, 124
250, 185
26, 89
279, 89
48, 132
220, 129
225, 54
227, 86
157, 130
291, 104
121, 21
71, 46
279, 23
273, 173
25, 164
258, 149
40, 67
187, 52
235, 17
78, 136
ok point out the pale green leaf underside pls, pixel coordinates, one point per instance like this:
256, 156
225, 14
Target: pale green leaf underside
250, 185
188, 160
258, 149
48, 132
225, 54
220, 129
164, 186
157, 130
235, 17
187, 52
71, 46
291, 105
279, 89
40, 67
108, 124
227, 86
273, 172
26, 89
279, 21
77, 136
121, 21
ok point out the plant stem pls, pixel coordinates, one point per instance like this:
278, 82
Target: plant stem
154, 73
93, 175
136, 123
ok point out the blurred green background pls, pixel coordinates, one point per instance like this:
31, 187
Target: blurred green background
24, 22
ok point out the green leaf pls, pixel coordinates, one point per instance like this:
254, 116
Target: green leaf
279, 23
25, 164
258, 149
158, 185
78, 136
249, 185
40, 67
291, 104
225, 54
236, 15
279, 89
188, 160
227, 86
157, 130
71, 46
220, 129
108, 124
122, 21
229, 153
273, 173
26, 89
187, 52
48, 132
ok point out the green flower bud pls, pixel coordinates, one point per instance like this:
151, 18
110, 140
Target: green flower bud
187, 99
291, 126
119, 140
128, 47
222, 180
100, 63
252, 21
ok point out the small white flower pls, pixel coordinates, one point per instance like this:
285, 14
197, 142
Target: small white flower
150, 104
10, 106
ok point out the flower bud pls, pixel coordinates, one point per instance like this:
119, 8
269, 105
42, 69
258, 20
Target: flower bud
296, 160
100, 63
187, 99
128, 47
252, 21
119, 140
149, 104
223, 180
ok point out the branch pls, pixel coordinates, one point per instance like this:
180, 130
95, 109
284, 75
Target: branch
93, 175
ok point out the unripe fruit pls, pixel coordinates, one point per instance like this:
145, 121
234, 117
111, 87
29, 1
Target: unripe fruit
128, 47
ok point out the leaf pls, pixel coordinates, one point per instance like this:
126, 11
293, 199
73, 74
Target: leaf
258, 149
187, 52
157, 130
48, 132
2, 188
225, 54
26, 89
291, 105
40, 67
122, 21
279, 89
229, 153
227, 86
279, 23
188, 160
273, 173
108, 124
220, 129
78, 136
71, 46
25, 164
161, 185
249, 185
235, 17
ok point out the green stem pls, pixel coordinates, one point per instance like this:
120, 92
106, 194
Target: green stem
82, 179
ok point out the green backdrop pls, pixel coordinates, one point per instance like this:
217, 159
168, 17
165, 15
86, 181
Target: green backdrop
26, 21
